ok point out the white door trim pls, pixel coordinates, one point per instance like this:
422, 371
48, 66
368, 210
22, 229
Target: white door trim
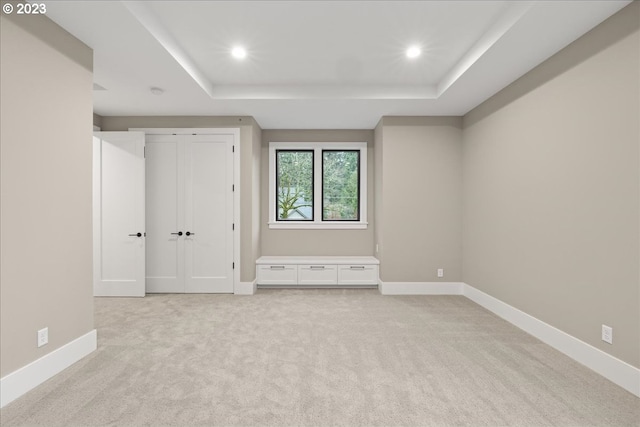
236, 180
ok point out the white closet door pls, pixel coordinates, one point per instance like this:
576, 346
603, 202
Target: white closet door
165, 214
189, 213
119, 214
209, 214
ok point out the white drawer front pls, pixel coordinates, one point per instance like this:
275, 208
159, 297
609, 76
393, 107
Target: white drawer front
358, 275
277, 275
317, 275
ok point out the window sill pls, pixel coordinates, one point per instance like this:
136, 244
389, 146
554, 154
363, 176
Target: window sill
301, 225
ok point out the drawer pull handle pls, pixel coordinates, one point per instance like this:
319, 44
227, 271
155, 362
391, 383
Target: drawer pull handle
357, 267
277, 267
317, 267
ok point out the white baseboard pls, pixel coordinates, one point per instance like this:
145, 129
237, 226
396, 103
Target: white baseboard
35, 373
245, 288
615, 370
420, 288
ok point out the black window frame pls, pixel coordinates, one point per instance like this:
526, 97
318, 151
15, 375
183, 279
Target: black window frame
359, 187
277, 177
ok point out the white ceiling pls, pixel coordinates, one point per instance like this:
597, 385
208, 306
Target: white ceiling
316, 64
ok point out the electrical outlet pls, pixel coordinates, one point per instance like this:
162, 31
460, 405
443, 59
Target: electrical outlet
441, 272
607, 334
43, 337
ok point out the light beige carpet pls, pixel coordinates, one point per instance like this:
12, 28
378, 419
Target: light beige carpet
318, 358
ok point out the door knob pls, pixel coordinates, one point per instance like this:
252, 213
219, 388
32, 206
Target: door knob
179, 233
188, 233
136, 235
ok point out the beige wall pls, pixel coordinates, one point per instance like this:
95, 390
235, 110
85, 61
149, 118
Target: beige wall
421, 185
551, 189
378, 231
250, 134
45, 209
256, 207
97, 120
316, 242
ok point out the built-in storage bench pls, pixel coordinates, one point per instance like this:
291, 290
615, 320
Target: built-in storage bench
317, 271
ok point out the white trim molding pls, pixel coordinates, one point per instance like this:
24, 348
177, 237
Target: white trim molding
19, 382
420, 288
613, 369
245, 288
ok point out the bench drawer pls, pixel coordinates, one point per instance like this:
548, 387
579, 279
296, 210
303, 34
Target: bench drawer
317, 275
358, 274
277, 274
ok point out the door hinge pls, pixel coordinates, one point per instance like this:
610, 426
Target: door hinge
233, 148
233, 265
233, 226
233, 187
144, 152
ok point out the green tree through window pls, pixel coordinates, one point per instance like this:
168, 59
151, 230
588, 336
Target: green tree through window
294, 185
318, 185
340, 185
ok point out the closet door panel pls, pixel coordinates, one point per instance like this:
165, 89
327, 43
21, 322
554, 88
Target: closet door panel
209, 213
164, 199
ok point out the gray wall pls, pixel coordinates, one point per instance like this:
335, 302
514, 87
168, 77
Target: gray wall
45, 208
250, 134
551, 189
420, 180
316, 242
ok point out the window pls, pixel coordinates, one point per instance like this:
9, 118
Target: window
294, 184
317, 185
340, 185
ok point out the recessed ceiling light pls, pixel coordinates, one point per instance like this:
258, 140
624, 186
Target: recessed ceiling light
413, 52
239, 52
